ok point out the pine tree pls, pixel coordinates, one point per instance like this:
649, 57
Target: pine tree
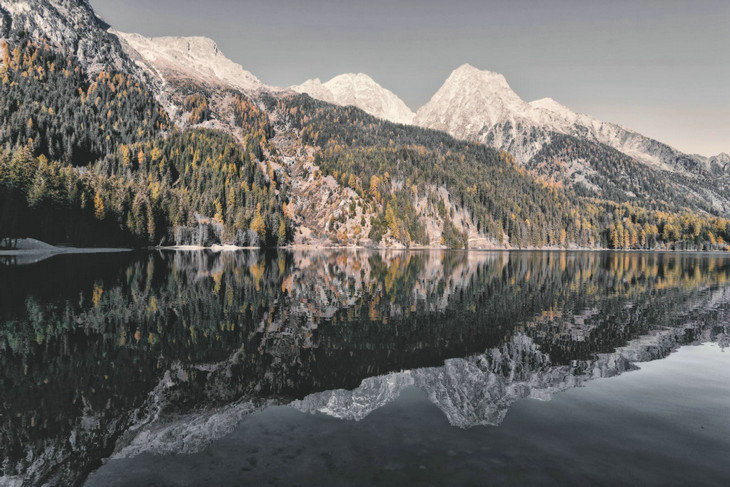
151, 229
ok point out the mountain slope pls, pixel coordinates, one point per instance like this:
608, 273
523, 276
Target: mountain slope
479, 105
644, 149
598, 171
248, 164
69, 26
361, 91
719, 163
195, 59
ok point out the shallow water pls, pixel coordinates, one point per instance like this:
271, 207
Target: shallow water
187, 368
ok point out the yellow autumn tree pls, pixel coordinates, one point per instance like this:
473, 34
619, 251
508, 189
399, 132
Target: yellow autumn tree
218, 211
156, 154
126, 156
99, 207
563, 237
374, 182
258, 225
391, 220
5, 54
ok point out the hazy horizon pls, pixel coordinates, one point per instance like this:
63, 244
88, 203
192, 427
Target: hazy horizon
659, 68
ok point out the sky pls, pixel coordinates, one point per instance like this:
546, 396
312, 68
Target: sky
661, 68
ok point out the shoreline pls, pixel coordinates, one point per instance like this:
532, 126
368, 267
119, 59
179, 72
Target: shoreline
32, 247
303, 247
63, 250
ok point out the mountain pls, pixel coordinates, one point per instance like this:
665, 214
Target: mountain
480, 105
720, 162
644, 149
196, 59
577, 150
116, 139
68, 25
361, 91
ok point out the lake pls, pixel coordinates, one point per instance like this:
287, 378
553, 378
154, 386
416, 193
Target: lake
365, 368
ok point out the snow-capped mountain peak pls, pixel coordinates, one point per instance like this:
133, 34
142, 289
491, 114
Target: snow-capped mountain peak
192, 58
361, 91
479, 105
486, 95
554, 107
468, 72
472, 102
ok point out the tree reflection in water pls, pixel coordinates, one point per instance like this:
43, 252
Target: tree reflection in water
96, 349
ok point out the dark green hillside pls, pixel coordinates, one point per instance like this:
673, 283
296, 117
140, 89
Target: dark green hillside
614, 176
124, 175
502, 198
48, 103
98, 162
210, 174
531, 208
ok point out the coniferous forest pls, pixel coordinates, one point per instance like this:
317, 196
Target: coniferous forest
505, 200
96, 160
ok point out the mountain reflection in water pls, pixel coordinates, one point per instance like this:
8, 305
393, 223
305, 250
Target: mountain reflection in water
113, 355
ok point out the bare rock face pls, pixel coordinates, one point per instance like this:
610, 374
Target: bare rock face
195, 59
361, 91
719, 163
68, 25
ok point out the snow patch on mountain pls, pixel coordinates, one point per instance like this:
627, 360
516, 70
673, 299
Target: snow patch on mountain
564, 120
361, 91
195, 59
479, 105
469, 101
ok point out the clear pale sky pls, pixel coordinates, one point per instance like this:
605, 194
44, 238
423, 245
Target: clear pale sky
659, 67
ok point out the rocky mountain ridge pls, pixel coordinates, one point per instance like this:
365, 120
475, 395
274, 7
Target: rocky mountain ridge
195, 59
479, 105
362, 91
472, 104
70, 26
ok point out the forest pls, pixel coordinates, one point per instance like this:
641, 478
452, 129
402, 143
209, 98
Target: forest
49, 104
98, 162
511, 203
614, 176
95, 160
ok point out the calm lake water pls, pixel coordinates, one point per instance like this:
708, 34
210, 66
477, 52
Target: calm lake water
365, 368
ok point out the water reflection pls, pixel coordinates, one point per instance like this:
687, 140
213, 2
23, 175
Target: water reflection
98, 351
